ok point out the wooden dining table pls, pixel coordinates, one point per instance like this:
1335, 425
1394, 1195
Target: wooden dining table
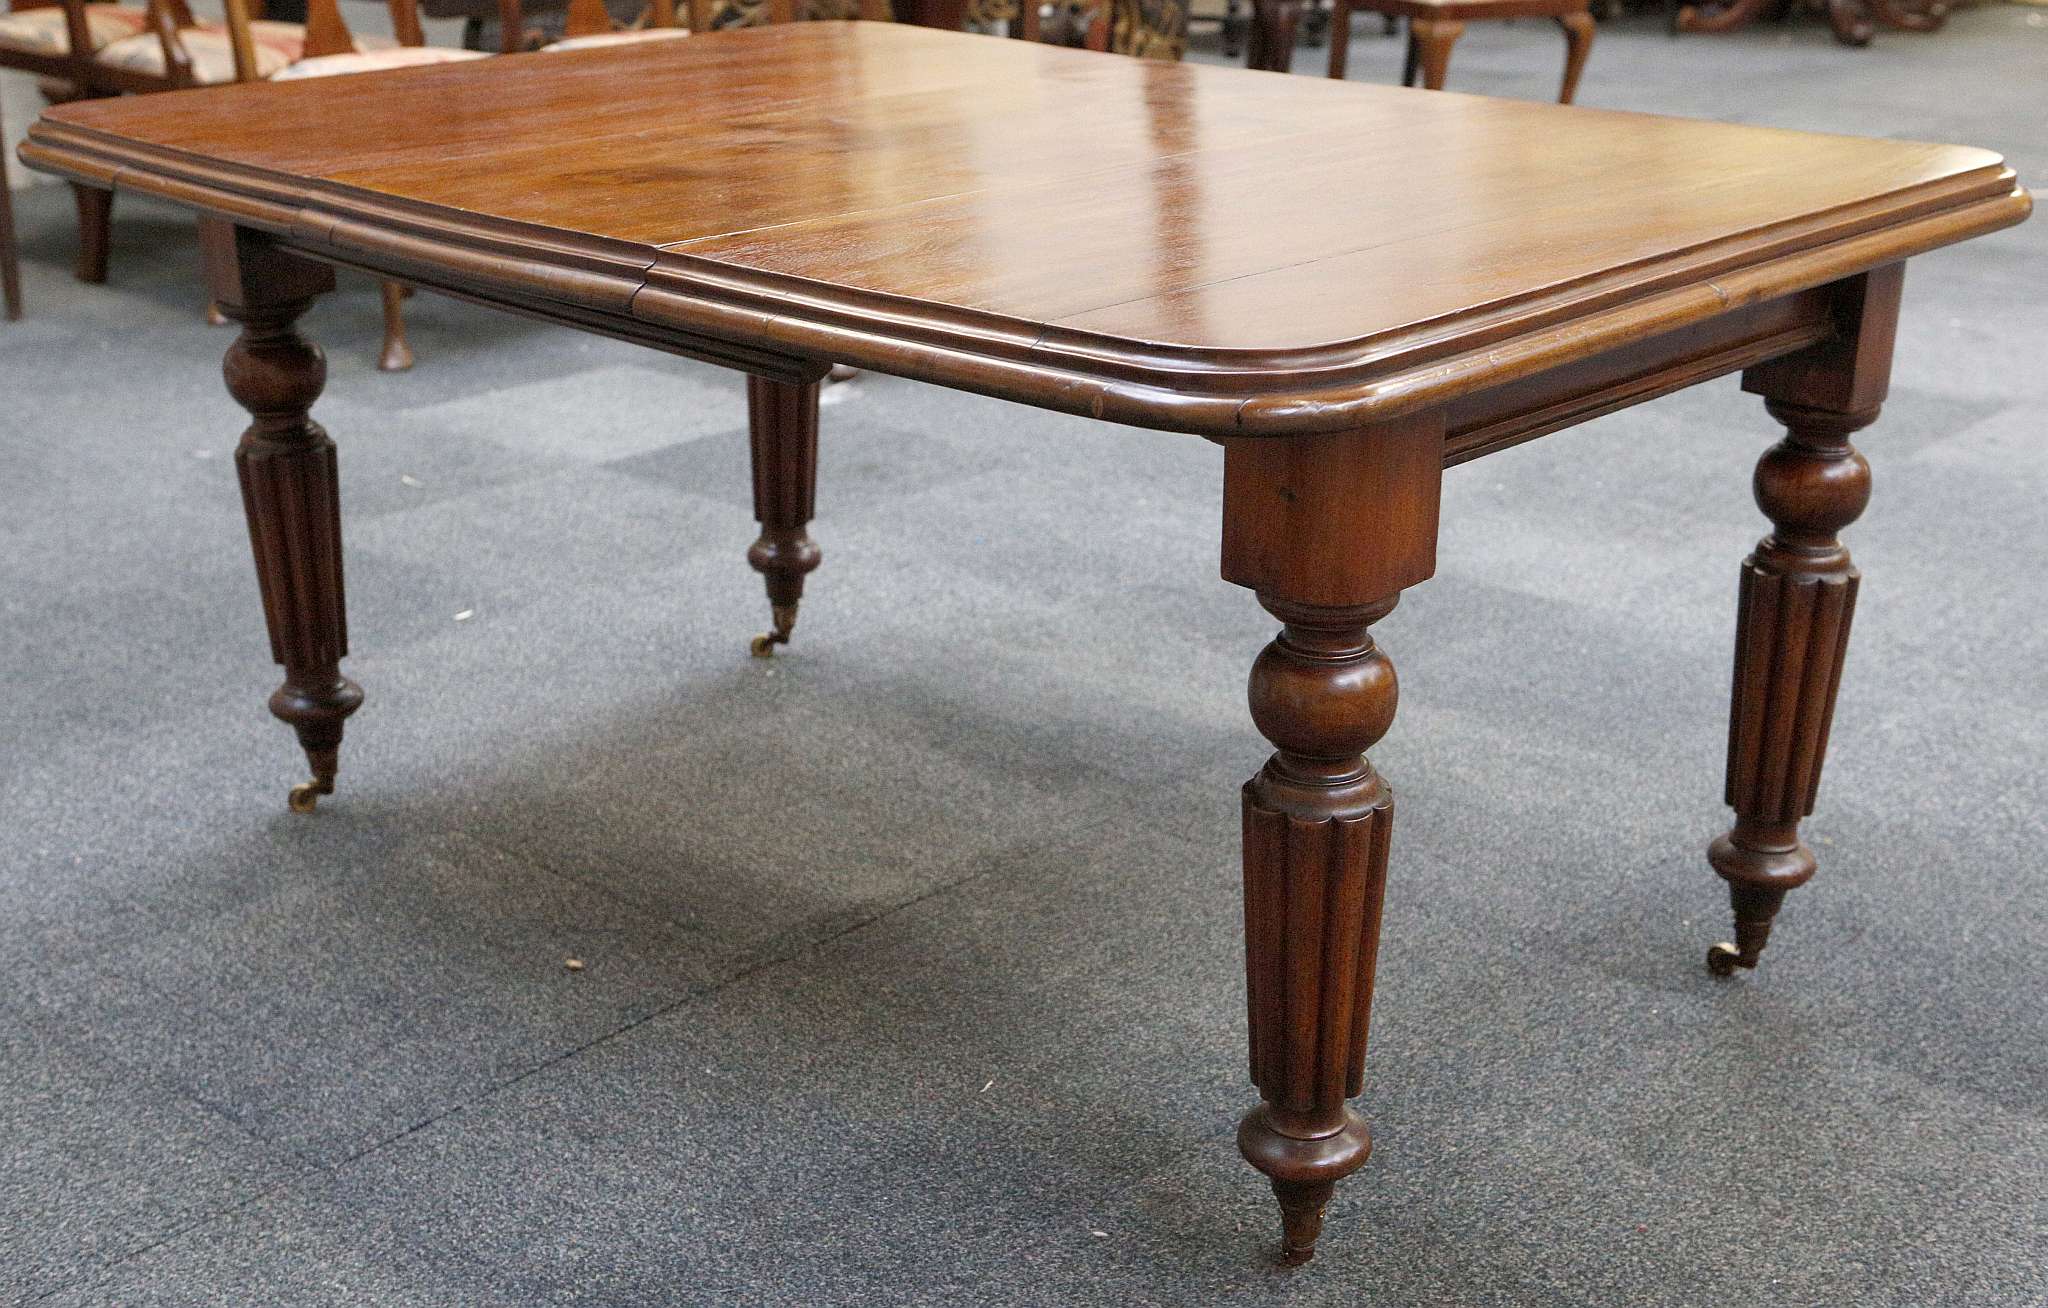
1207, 253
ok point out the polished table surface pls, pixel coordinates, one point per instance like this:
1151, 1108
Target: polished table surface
1214, 252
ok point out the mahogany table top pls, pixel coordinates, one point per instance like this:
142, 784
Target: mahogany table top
1199, 248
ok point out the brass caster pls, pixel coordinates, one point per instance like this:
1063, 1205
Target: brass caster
1724, 958
785, 622
305, 797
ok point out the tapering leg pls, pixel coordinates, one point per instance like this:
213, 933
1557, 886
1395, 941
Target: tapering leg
1411, 61
1316, 825
10, 259
1327, 531
1433, 40
1340, 37
289, 489
782, 419
1578, 38
1798, 595
396, 356
95, 230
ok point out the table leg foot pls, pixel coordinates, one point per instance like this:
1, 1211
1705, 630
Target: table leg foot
783, 429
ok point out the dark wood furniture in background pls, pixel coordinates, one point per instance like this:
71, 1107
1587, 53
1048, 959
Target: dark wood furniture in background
917, 202
1854, 21
87, 56
1433, 25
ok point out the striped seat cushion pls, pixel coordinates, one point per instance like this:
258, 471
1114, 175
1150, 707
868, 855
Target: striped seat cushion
42, 31
371, 61
278, 45
627, 37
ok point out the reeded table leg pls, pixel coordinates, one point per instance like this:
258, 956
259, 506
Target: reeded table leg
1797, 598
782, 420
1327, 530
1316, 824
289, 490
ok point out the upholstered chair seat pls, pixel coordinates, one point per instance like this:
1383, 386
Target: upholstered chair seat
373, 61
629, 36
278, 46
43, 30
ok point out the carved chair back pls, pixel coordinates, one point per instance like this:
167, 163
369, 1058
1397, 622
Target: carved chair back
327, 33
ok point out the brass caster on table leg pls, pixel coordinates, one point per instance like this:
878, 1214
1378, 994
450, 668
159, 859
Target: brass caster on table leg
785, 622
1724, 958
305, 797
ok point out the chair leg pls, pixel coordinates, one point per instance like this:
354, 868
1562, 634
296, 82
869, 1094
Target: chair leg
95, 231
1433, 40
1411, 62
1578, 36
1340, 38
397, 355
10, 258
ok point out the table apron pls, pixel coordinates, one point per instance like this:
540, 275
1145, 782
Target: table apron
1521, 410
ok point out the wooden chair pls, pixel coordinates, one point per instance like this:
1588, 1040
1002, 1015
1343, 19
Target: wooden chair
58, 41
247, 49
1434, 25
85, 50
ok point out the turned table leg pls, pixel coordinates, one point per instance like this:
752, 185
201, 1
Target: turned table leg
782, 420
1327, 531
1317, 820
1798, 595
1578, 38
95, 206
1432, 40
289, 490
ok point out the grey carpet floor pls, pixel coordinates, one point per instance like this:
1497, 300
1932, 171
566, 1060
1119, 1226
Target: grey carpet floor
912, 956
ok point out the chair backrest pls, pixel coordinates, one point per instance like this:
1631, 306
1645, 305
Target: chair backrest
326, 31
706, 15
1149, 29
